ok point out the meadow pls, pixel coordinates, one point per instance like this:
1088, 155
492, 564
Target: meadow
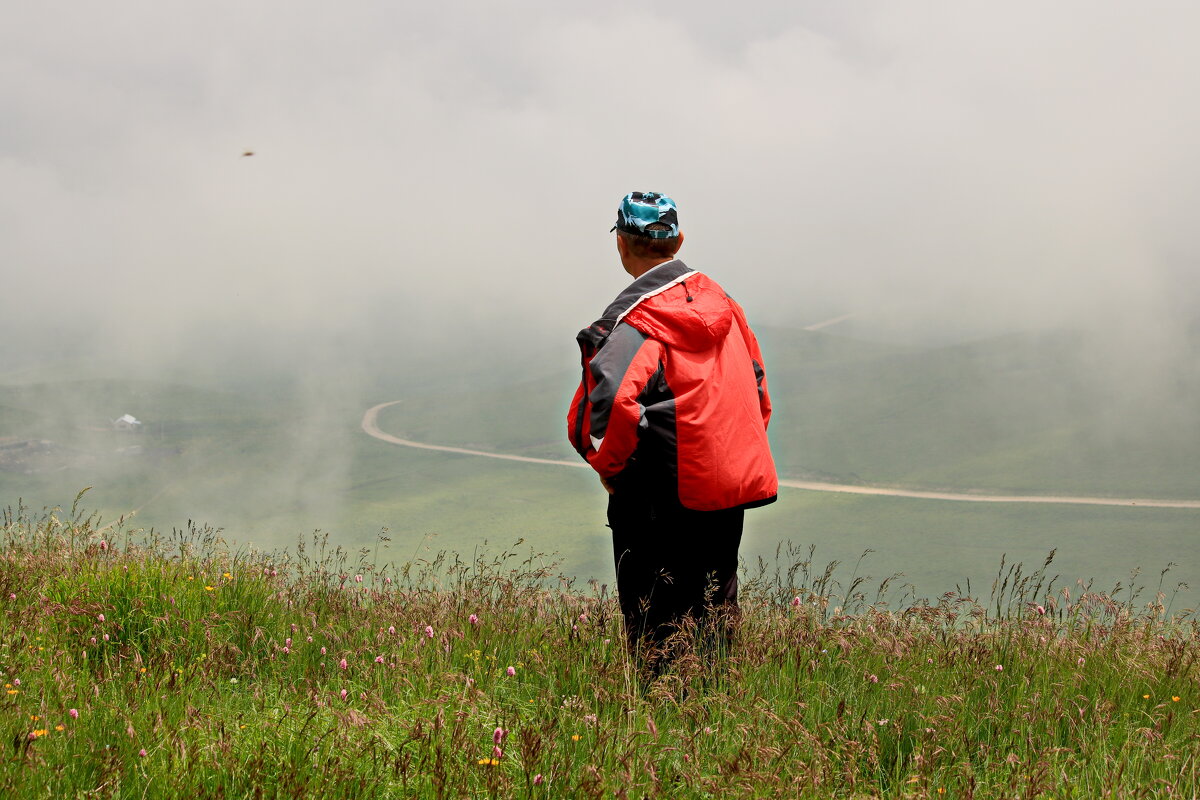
265, 451
139, 666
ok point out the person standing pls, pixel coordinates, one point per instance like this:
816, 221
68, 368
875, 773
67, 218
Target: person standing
672, 413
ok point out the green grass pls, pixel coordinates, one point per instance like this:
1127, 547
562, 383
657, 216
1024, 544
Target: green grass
229, 673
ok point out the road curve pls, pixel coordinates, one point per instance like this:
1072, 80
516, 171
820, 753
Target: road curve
371, 427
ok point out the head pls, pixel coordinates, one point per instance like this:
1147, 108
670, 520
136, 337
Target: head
647, 231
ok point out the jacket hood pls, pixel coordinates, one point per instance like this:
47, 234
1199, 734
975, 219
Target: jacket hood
692, 315
674, 304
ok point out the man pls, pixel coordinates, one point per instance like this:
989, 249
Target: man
672, 413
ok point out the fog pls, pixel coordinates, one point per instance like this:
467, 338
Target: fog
313, 194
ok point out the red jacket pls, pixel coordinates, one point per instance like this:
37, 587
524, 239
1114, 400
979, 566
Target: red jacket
673, 378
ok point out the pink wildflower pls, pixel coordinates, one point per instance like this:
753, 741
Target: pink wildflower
287, 642
103, 545
873, 678
343, 664
287, 650
106, 637
345, 694
392, 629
100, 617
512, 671
795, 602
1041, 610
583, 617
538, 780
999, 668
474, 620
498, 736
387, 580
12, 597
429, 631
267, 571
497, 752
1080, 661
273, 573
93, 640
322, 651
142, 752
378, 659
73, 713
358, 578
309, 640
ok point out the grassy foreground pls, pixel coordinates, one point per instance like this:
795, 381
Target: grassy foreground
179, 668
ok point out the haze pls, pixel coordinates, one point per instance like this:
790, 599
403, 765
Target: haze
321, 203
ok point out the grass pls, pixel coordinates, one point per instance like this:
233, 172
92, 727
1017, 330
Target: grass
151, 667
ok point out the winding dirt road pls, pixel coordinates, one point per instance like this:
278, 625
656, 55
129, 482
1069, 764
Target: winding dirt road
370, 426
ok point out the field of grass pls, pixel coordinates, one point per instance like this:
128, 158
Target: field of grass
180, 667
264, 458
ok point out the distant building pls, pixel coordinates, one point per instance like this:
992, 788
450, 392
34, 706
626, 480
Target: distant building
126, 422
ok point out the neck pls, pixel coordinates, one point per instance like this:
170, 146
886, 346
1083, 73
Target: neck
638, 268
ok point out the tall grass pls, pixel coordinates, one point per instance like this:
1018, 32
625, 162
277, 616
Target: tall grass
144, 666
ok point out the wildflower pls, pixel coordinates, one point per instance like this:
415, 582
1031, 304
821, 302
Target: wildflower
999, 668
227, 576
100, 617
1080, 661
344, 694
287, 642
287, 650
883, 722
106, 637
538, 780
322, 651
342, 664
378, 659
392, 629
429, 631
574, 737
607, 641
1145, 697
474, 620
589, 719
309, 640
73, 713
13, 691
103, 545
387, 580
233, 680
266, 571
575, 628
1174, 698
142, 752
92, 640
511, 671
873, 678
583, 617
60, 728
1041, 610
209, 589
498, 736
273, 573
16, 681
12, 597
796, 602
497, 752
488, 762
358, 578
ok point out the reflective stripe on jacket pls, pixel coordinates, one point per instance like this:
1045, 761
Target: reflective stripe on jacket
673, 379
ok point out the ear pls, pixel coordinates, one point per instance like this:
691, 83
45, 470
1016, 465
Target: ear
679, 242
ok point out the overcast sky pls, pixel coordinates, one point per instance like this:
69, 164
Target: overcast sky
459, 164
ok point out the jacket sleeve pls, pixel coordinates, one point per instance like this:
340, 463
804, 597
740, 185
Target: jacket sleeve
606, 415
756, 360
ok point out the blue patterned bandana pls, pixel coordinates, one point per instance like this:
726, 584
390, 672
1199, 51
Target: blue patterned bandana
639, 209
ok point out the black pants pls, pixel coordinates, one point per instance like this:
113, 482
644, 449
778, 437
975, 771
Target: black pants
672, 563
